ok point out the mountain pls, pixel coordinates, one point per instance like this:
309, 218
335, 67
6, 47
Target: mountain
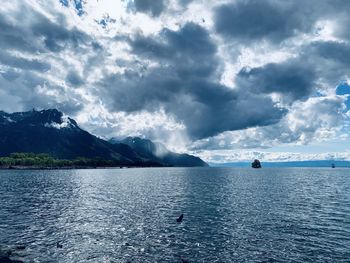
157, 152
320, 163
53, 133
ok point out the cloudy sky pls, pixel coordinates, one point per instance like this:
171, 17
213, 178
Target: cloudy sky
228, 80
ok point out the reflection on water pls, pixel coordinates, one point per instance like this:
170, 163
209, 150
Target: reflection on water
129, 215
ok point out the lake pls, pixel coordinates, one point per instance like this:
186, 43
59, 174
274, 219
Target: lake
129, 215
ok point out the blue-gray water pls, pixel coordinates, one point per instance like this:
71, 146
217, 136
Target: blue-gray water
129, 215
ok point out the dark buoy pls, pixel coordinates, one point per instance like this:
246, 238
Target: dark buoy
179, 220
256, 164
333, 165
59, 245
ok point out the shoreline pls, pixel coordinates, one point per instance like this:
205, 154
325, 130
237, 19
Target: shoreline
16, 167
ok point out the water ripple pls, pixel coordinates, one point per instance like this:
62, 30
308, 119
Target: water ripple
129, 215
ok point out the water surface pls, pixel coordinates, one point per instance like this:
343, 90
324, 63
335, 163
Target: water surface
129, 215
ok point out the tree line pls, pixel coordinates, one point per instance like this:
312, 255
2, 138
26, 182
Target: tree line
47, 161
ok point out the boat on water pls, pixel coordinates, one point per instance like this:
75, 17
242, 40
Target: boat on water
256, 164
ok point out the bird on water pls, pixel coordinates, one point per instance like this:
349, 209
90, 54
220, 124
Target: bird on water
59, 245
179, 220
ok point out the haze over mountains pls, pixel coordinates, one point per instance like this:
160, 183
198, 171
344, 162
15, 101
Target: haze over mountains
157, 152
52, 132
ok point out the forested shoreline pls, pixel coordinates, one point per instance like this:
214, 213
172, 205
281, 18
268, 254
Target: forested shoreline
45, 161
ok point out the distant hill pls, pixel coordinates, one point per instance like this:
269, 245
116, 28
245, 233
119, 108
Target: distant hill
320, 163
157, 152
51, 132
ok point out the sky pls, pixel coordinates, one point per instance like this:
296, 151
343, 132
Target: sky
227, 80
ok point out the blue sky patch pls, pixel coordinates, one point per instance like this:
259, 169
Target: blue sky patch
64, 2
343, 89
105, 21
78, 5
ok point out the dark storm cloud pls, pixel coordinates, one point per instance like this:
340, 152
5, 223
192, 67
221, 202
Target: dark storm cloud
28, 38
56, 36
151, 7
190, 51
10, 75
22, 63
74, 79
206, 108
15, 36
293, 79
330, 59
276, 20
68, 102
336, 51
251, 20
25, 88
33, 32
178, 71
185, 2
185, 85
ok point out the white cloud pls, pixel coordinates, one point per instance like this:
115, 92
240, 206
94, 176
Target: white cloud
316, 119
95, 51
65, 123
224, 156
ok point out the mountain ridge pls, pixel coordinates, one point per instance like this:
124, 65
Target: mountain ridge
52, 132
157, 152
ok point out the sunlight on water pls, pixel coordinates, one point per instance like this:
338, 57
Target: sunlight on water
129, 215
